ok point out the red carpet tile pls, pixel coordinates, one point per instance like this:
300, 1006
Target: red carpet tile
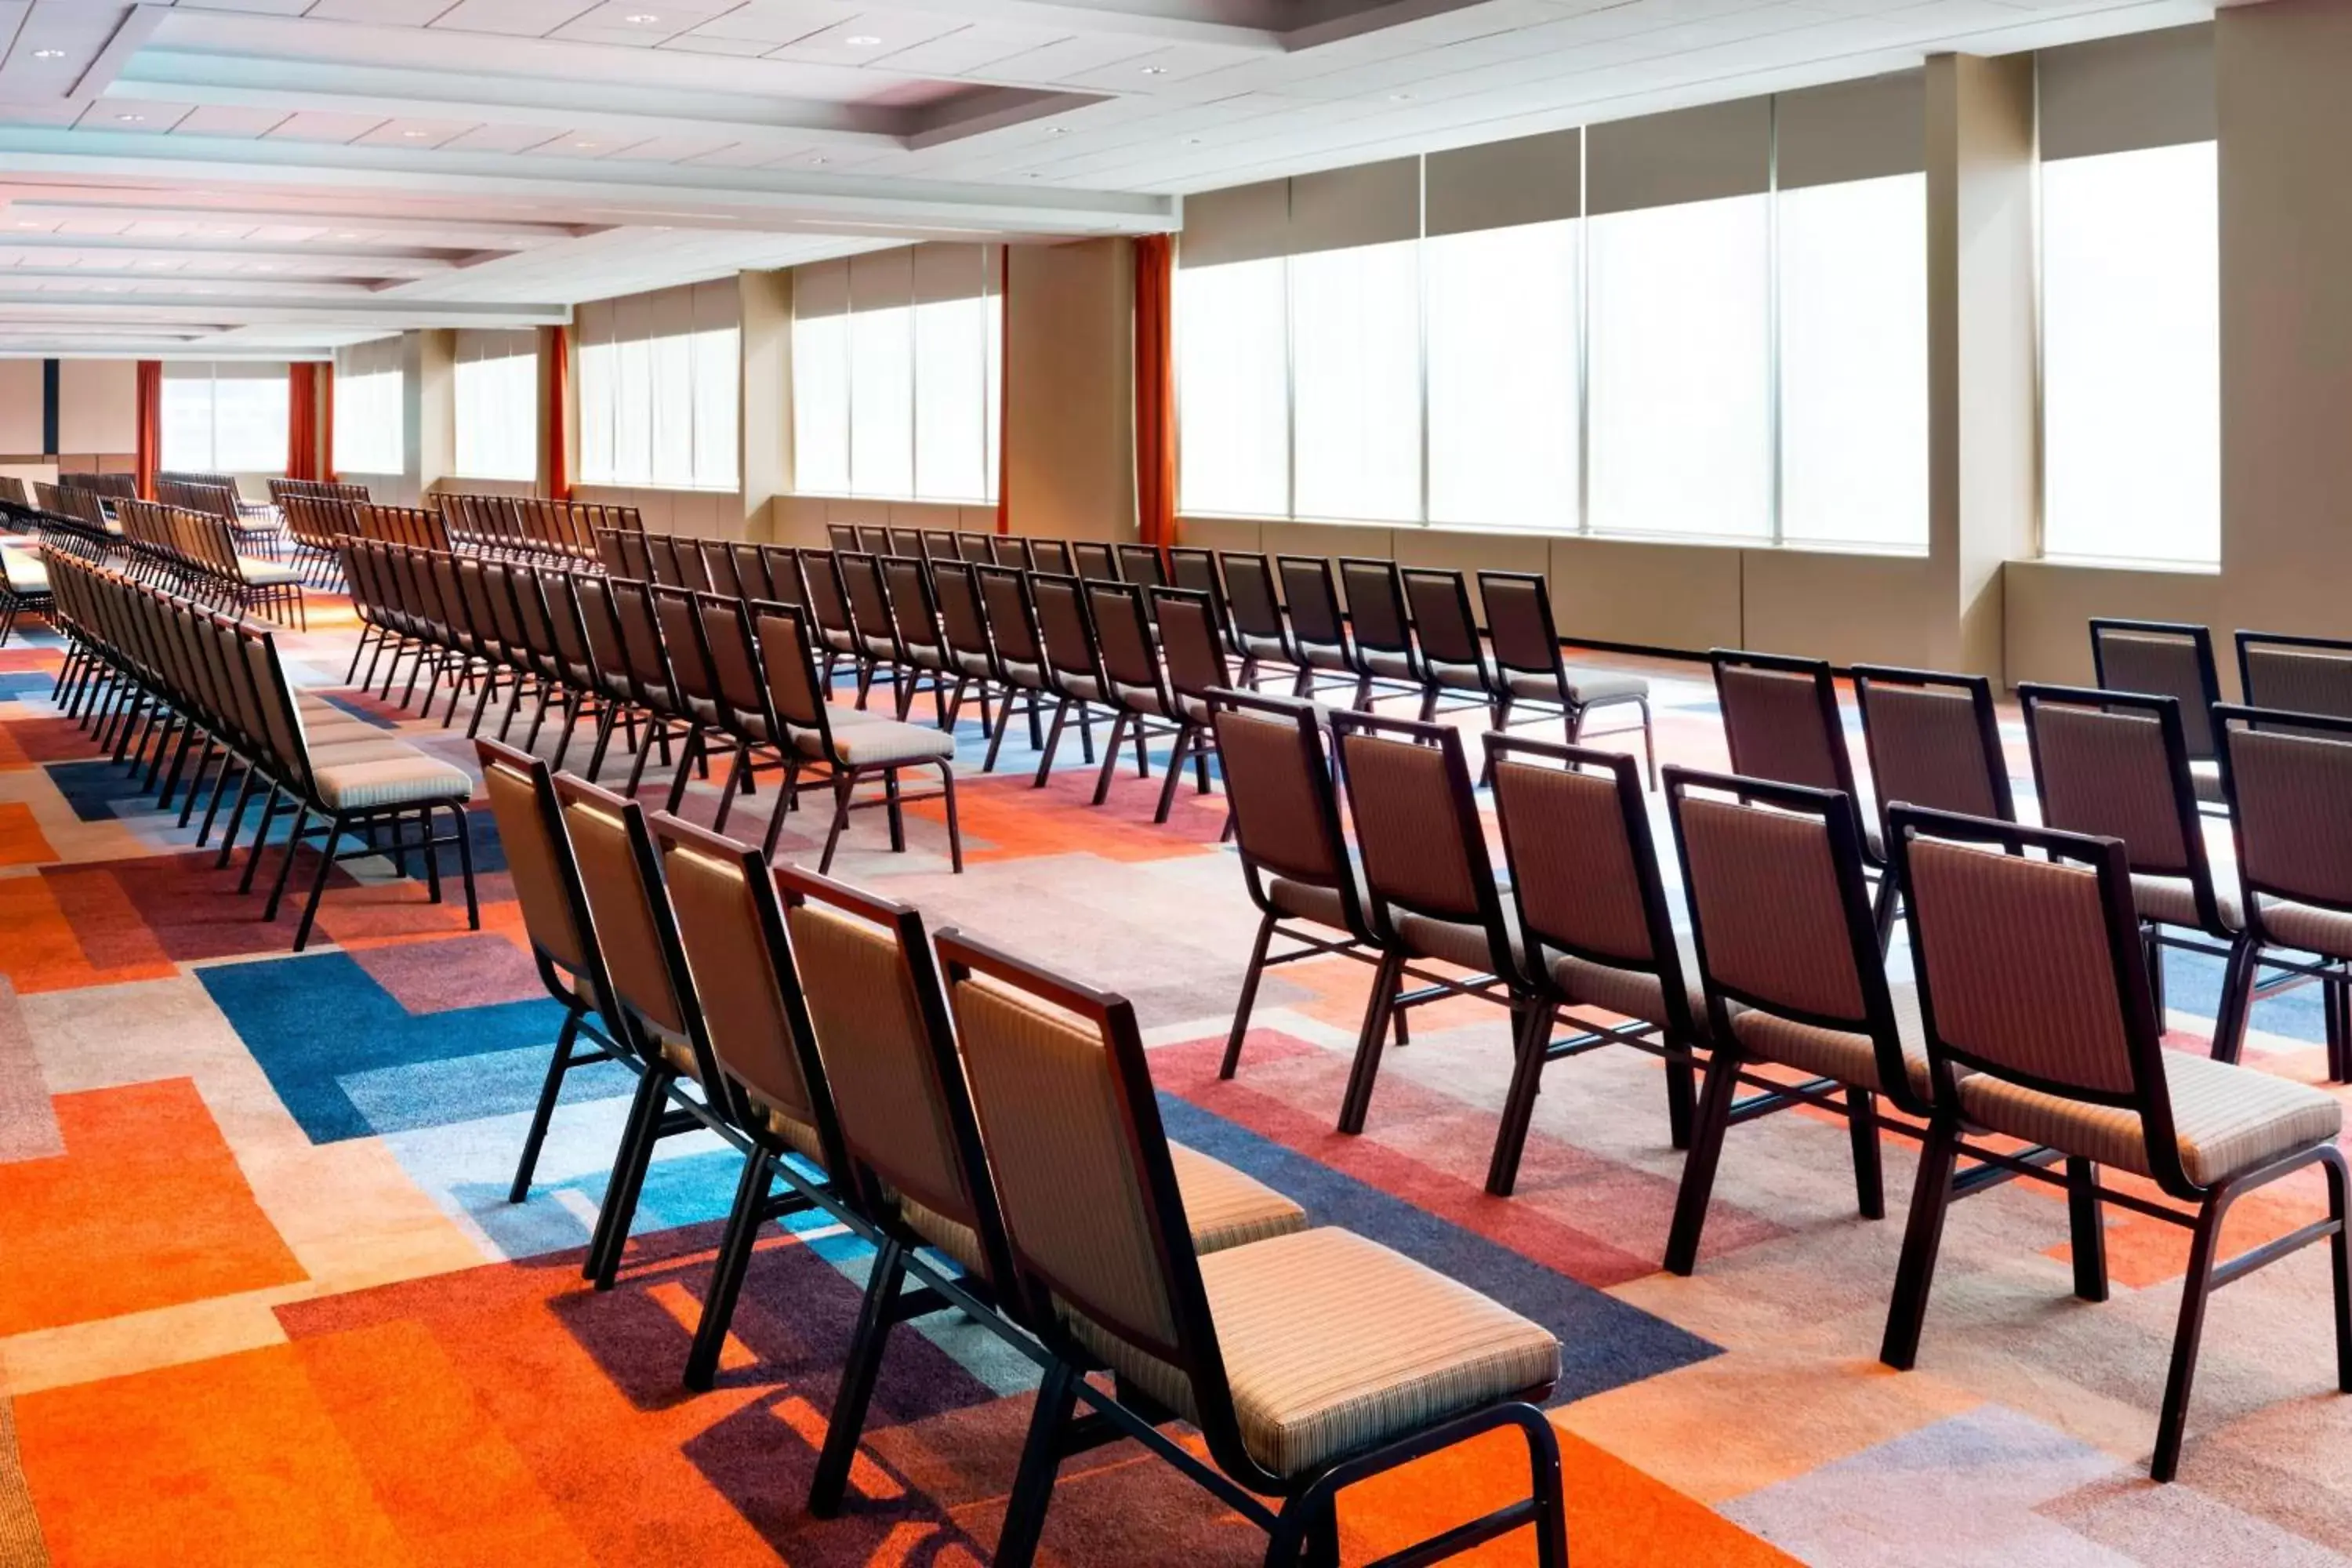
145, 1208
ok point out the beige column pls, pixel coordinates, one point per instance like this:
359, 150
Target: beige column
429, 386
1069, 423
1983, 445
766, 424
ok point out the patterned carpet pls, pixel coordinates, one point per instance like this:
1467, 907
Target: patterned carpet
262, 1300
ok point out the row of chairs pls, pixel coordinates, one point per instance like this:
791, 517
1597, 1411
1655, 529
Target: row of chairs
24, 583
149, 665
2175, 659
2033, 1018
198, 553
531, 527
2115, 761
703, 672
990, 1128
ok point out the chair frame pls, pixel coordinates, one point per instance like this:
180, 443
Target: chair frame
2142, 1020
1980, 700
1564, 707
1305, 1523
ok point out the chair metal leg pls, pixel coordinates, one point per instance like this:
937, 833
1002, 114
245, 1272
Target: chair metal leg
1176, 754
1248, 998
285, 865
1383, 1001
611, 1237
1698, 1167
318, 884
2086, 1229
955, 829
1681, 1093
1119, 722
2196, 1289
1519, 1104
854, 1394
842, 785
1054, 742
727, 1274
1931, 1199
543, 1113
1032, 1484
1862, 1133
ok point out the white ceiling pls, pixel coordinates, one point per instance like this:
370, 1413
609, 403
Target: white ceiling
265, 176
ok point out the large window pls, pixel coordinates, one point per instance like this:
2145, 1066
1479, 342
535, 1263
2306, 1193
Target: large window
498, 406
1853, 362
1681, 370
370, 410
2131, 356
660, 389
1501, 307
224, 419
1233, 387
895, 375
1705, 324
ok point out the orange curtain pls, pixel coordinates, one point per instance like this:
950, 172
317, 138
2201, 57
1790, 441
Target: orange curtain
1004, 387
1155, 391
151, 425
327, 420
558, 421
302, 420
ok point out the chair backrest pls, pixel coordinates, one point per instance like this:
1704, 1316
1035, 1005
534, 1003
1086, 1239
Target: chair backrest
1933, 739
788, 663
1009, 550
841, 536
880, 1024
1251, 598
2296, 674
1519, 620
1141, 565
1093, 561
1072, 1129
1781, 720
1316, 621
641, 642
1277, 778
1064, 625
630, 909
869, 601
718, 568
1191, 642
637, 557
1005, 592
693, 571
1051, 555
828, 599
963, 620
1196, 569
905, 542
872, 540
2115, 765
539, 860
2288, 778
677, 611
1417, 826
747, 567
1781, 915
1584, 873
2031, 967
1450, 645
781, 564
939, 544
2162, 658
730, 928
1123, 636
731, 645
975, 548
912, 612
1376, 606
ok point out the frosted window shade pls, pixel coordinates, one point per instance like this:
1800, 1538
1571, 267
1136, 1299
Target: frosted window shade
895, 374
1355, 379
1233, 388
2125, 94
660, 389
498, 406
371, 409
1502, 345
228, 418
2131, 356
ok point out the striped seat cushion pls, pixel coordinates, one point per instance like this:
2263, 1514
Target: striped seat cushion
397, 775
1456, 941
1224, 1208
23, 571
1850, 1058
2170, 900
1334, 1345
1629, 993
2227, 1119
2308, 927
875, 742
266, 574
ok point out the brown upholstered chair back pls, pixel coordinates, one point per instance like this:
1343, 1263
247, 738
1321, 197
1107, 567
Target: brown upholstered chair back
1009, 550
975, 548
1449, 633
962, 621
879, 1026
1285, 816
1012, 615
1376, 604
1062, 624
1519, 619
2115, 770
827, 599
1422, 845
1189, 642
1092, 561
719, 569
641, 638
1575, 866
1141, 565
781, 564
2291, 795
2299, 675
911, 610
1933, 740
2161, 658
746, 565
1250, 596
1051, 555
1774, 896
538, 854
869, 602
1779, 721
1123, 634
734, 655
1314, 601
625, 899
787, 663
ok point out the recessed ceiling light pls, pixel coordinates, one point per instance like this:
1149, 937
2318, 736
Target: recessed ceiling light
861, 41
1155, 70
585, 146
1191, 142
642, 19
1400, 98
416, 135
27, 223
49, 54
1057, 130
264, 267
130, 119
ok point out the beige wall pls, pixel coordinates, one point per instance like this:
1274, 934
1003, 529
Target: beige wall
98, 406
1069, 426
23, 405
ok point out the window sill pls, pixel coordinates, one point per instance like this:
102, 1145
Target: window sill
2119, 564
1508, 530
735, 488
892, 500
